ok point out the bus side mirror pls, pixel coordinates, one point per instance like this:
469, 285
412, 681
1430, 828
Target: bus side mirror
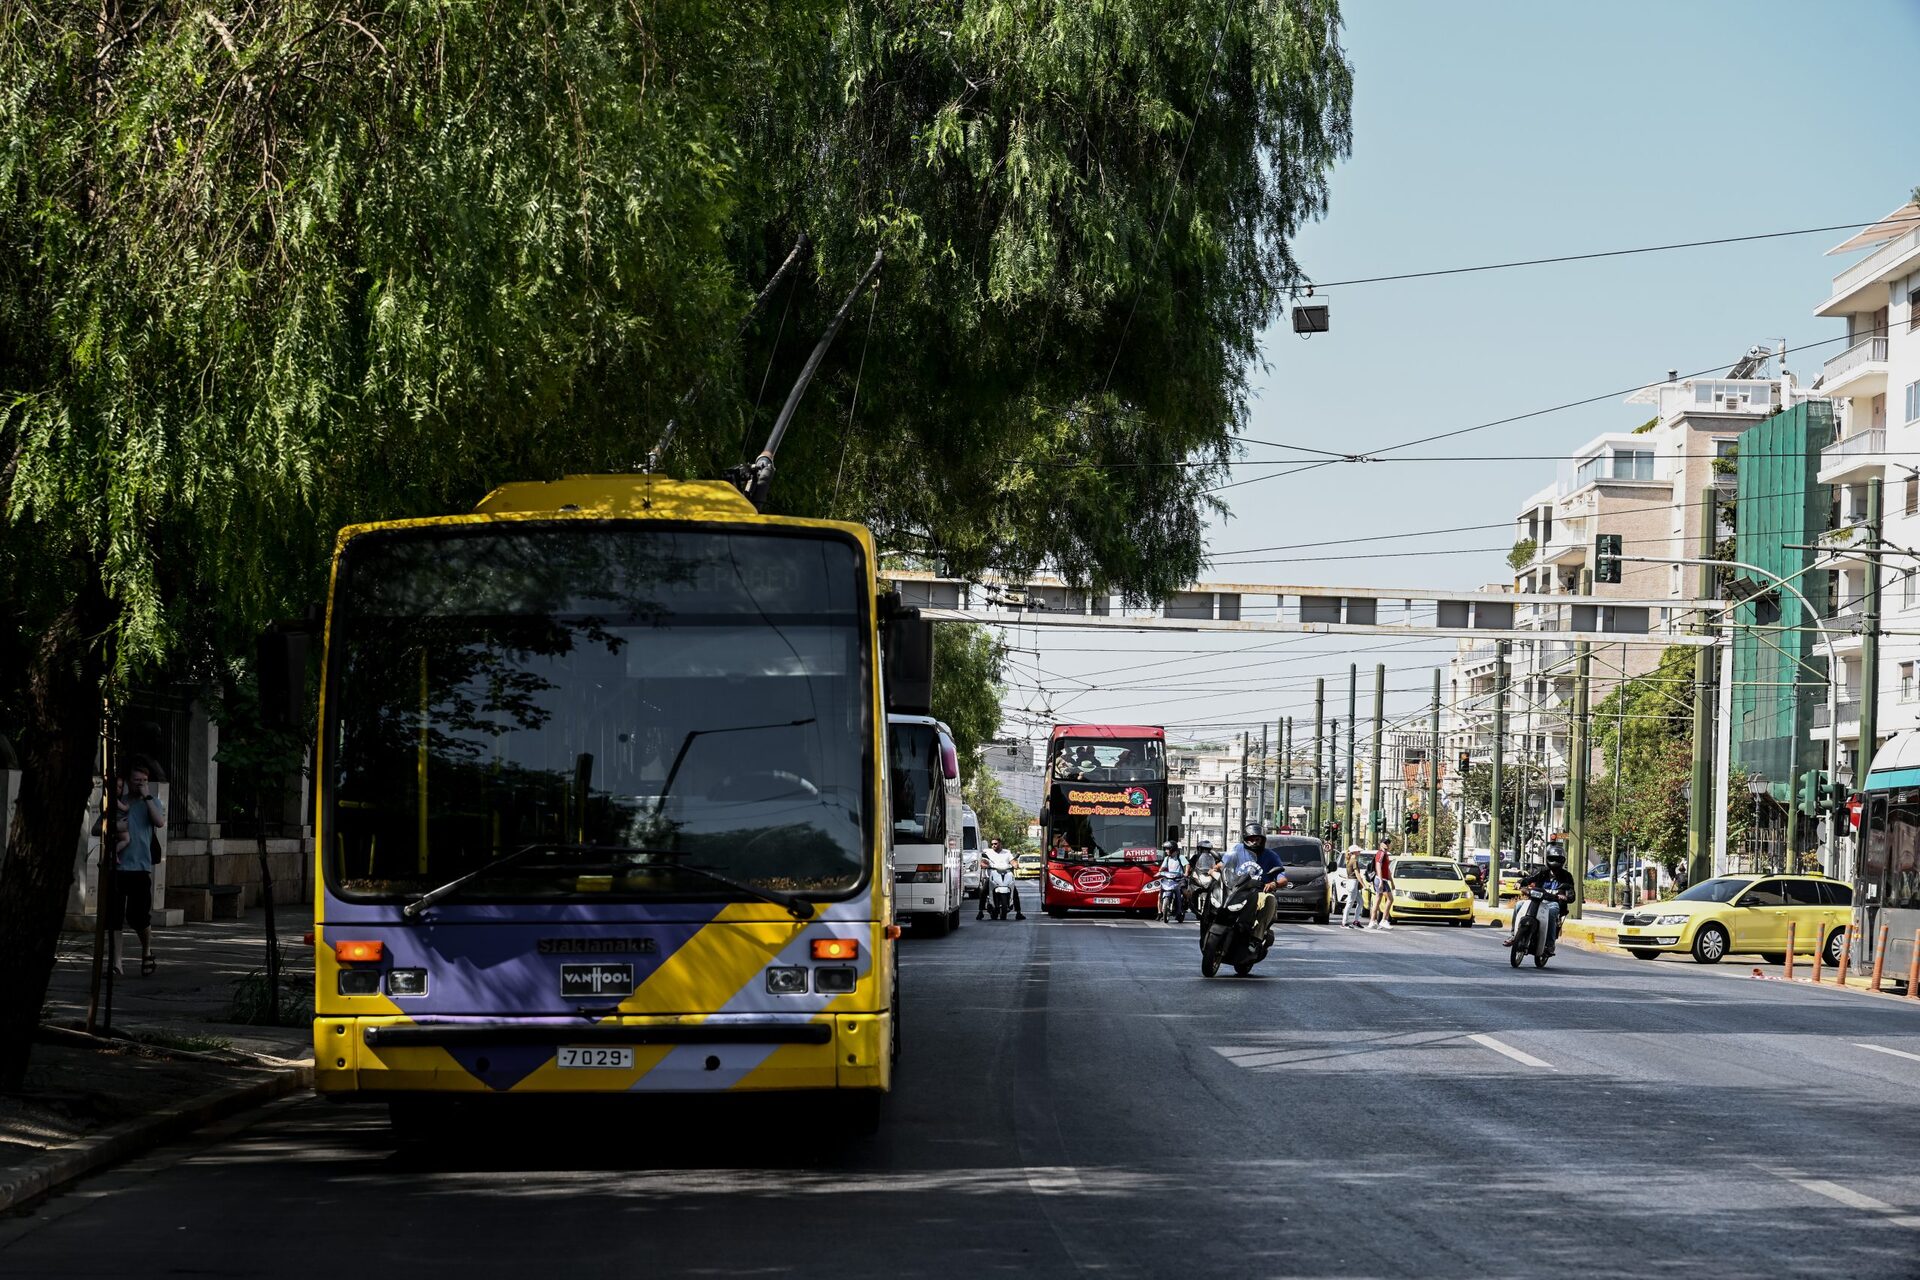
280, 660
907, 654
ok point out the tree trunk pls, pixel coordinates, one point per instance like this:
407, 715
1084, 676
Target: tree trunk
62, 731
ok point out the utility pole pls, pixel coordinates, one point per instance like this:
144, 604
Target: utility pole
1243, 780
1577, 775
1374, 808
1699, 828
1433, 773
1319, 710
1619, 732
1353, 715
1261, 806
1500, 649
1869, 653
1333, 771
1286, 774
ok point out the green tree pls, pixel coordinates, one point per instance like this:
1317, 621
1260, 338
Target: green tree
999, 816
268, 269
1520, 780
967, 688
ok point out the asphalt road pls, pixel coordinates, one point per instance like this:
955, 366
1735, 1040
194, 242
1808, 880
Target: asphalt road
1075, 1097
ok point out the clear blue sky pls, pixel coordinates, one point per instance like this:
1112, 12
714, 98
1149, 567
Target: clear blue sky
1485, 132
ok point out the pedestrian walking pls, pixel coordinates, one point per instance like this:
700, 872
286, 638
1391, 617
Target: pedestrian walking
137, 814
1382, 880
1357, 872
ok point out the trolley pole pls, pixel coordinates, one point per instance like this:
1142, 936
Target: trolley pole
1243, 780
1375, 808
1353, 715
1286, 774
1261, 805
1319, 711
1499, 763
1433, 772
1699, 824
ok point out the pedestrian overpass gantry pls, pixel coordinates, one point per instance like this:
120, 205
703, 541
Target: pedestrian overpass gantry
1322, 610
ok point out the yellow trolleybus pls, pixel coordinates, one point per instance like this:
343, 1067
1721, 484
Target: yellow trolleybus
601, 801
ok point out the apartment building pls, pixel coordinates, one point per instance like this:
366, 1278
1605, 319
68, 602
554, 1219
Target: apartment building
1873, 382
1208, 777
1648, 486
1015, 768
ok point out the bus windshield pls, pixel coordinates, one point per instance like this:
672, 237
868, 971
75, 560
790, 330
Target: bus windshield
643, 704
918, 785
1106, 824
1109, 760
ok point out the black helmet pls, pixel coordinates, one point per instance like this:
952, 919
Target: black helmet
1556, 857
1252, 831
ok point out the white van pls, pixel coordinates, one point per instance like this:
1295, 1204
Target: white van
969, 852
923, 783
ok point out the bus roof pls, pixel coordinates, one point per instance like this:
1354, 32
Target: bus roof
1108, 731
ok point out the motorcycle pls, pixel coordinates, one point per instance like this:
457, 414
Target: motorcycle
1172, 887
999, 891
1227, 922
1531, 937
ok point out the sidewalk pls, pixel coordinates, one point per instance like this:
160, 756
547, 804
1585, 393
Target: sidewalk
177, 1059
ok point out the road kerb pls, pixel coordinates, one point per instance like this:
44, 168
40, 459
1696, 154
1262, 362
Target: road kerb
76, 1160
1586, 936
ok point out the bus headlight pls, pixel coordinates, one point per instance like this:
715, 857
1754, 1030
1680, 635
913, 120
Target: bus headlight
407, 982
359, 982
787, 980
1058, 883
838, 980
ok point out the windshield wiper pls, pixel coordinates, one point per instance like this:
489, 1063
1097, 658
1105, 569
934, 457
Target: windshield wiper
797, 907
413, 910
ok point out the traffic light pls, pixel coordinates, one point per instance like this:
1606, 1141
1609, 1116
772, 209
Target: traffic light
1836, 795
1466, 763
1606, 557
1410, 823
1819, 795
1331, 832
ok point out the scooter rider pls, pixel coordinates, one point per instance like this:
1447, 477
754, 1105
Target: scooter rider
1253, 848
1556, 882
998, 859
1172, 877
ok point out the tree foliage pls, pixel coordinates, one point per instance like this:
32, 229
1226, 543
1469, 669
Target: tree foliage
268, 269
999, 817
966, 687
1521, 781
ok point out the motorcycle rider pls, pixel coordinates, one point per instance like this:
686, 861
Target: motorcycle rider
1200, 872
1554, 880
997, 859
1253, 849
1172, 877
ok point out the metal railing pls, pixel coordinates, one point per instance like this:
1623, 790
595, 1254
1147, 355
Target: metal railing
1849, 713
1875, 263
1865, 351
1860, 444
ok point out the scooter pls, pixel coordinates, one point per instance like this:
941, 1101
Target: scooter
1531, 936
1227, 922
1172, 886
999, 891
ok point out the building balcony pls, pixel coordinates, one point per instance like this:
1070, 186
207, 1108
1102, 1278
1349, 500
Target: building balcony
1847, 544
1860, 370
1855, 458
1848, 715
1854, 287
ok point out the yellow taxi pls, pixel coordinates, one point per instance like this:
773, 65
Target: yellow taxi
1510, 879
1746, 914
1428, 889
1028, 866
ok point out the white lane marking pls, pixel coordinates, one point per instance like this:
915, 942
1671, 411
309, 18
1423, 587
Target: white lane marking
1498, 1047
1847, 1196
1880, 1048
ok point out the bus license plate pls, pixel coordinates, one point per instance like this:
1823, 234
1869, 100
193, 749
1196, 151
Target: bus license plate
1106, 902
617, 1057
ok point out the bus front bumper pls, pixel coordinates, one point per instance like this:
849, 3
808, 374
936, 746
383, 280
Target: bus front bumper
383, 1055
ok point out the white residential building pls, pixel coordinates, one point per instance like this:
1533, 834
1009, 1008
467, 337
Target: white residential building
1874, 383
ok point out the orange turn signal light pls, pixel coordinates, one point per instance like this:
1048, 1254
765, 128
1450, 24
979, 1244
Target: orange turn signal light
892, 931
835, 949
359, 951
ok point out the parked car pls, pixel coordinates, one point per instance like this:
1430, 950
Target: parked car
1728, 914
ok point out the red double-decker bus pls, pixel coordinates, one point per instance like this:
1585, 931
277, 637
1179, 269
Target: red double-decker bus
1105, 817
